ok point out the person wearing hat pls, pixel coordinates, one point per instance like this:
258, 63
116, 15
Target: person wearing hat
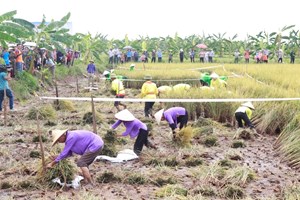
216, 82
91, 70
174, 116
134, 128
119, 90
4, 78
81, 142
243, 114
149, 91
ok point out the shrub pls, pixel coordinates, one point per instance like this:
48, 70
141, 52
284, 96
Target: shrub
135, 179
161, 181
5, 185
234, 192
170, 190
36, 139
192, 162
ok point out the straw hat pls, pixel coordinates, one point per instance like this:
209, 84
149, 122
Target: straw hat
92, 61
56, 135
148, 77
248, 104
124, 115
214, 75
132, 65
159, 115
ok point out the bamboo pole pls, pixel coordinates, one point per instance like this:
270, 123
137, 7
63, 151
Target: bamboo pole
40, 141
5, 108
56, 94
77, 85
94, 115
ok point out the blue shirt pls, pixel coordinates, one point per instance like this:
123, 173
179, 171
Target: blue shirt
91, 68
79, 142
3, 81
159, 54
5, 57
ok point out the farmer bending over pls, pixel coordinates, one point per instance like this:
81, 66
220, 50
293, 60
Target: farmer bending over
134, 128
81, 142
243, 114
174, 116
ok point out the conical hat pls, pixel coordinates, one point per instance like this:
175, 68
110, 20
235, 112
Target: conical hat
214, 75
248, 104
124, 115
159, 115
56, 135
106, 72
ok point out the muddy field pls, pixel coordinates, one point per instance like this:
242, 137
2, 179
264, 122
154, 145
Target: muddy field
216, 166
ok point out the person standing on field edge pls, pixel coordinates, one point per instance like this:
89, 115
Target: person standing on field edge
280, 55
292, 54
19, 58
153, 59
159, 55
181, 55
192, 55
81, 142
4, 78
236, 56
91, 70
170, 56
211, 54
247, 55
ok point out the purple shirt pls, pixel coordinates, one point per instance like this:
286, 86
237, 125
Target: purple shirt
79, 142
91, 68
132, 127
172, 113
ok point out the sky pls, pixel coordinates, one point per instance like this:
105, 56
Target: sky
161, 18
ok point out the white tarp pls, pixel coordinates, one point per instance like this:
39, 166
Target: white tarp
124, 155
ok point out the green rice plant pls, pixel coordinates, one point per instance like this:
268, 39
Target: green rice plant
136, 179
239, 175
225, 163
36, 139
233, 154
204, 190
88, 118
161, 181
34, 154
171, 162
108, 177
233, 192
238, 144
193, 162
5, 185
171, 190
210, 141
45, 112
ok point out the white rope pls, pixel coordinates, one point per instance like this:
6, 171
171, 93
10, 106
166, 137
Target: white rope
170, 100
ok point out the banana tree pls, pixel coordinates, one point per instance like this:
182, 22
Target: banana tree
13, 30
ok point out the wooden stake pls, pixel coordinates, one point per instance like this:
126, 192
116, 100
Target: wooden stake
77, 85
56, 94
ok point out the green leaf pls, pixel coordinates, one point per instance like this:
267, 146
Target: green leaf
7, 16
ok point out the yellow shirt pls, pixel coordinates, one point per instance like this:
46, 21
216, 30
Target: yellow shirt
181, 87
118, 87
149, 90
